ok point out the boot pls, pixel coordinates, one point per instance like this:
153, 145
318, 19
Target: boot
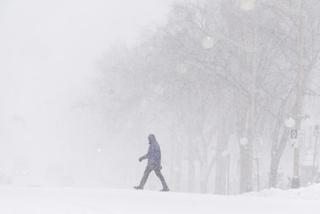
138, 187
165, 189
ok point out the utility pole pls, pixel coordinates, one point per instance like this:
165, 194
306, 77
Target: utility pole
258, 173
228, 175
315, 153
299, 100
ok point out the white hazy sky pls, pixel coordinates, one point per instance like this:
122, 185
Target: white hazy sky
48, 55
50, 46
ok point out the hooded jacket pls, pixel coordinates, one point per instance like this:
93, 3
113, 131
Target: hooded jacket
154, 153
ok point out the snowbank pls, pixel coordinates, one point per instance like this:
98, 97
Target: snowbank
104, 201
310, 193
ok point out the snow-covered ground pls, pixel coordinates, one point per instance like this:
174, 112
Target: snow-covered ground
106, 201
307, 193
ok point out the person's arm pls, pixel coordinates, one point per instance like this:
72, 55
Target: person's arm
146, 156
143, 157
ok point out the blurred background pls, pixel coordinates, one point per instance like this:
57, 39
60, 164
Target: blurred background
51, 131
230, 88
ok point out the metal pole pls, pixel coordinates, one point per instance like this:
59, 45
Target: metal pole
258, 174
299, 99
228, 174
315, 153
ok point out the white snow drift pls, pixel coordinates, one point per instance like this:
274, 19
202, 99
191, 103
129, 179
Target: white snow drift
106, 201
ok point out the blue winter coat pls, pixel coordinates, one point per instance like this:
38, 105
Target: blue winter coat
153, 155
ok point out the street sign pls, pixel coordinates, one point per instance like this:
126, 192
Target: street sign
294, 134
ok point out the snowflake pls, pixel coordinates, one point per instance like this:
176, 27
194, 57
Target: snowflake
290, 122
181, 68
247, 4
159, 90
207, 42
244, 141
225, 153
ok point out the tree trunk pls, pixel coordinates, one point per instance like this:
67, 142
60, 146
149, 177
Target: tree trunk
204, 179
191, 167
221, 176
246, 153
276, 154
204, 167
221, 161
191, 176
246, 165
274, 166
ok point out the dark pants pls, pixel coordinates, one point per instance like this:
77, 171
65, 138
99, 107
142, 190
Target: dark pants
147, 172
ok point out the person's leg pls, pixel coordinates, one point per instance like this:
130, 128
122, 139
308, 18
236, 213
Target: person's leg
163, 181
145, 176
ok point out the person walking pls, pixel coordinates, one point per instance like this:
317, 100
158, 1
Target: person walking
154, 164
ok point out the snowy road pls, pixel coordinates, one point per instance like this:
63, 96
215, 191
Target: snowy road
98, 201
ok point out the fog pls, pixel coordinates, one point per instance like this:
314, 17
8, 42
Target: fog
230, 88
48, 67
